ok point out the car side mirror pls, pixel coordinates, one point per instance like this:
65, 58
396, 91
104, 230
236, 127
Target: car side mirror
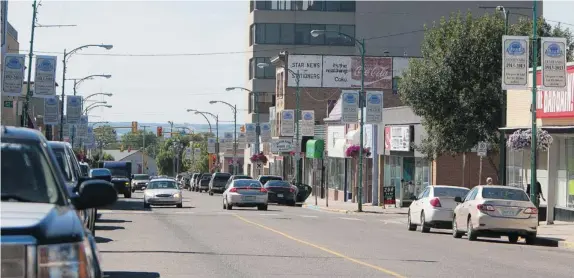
458, 199
94, 194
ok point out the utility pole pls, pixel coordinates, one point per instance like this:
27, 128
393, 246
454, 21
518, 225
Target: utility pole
235, 140
534, 143
30, 55
144, 162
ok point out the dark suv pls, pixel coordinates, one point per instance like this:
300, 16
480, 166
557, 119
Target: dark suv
218, 182
203, 183
40, 227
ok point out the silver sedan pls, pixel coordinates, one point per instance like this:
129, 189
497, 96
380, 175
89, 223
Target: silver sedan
163, 192
245, 193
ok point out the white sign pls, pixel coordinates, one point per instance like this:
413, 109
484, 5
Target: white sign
211, 141
308, 123
82, 128
45, 77
400, 138
197, 151
66, 128
281, 145
515, 57
228, 140
554, 76
90, 141
188, 153
337, 71
350, 106
374, 111
265, 132
308, 67
13, 74
481, 149
51, 111
73, 109
251, 133
287, 122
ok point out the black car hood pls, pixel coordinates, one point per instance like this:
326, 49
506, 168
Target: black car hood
48, 223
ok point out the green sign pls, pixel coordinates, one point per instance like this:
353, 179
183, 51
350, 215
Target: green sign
8, 104
315, 149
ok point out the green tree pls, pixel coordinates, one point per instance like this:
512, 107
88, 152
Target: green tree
135, 141
167, 151
106, 135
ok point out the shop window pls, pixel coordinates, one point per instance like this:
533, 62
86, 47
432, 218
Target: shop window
569, 196
335, 173
302, 33
287, 34
515, 169
272, 33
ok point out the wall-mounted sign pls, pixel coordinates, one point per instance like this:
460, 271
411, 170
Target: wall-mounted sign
308, 68
281, 145
515, 57
400, 138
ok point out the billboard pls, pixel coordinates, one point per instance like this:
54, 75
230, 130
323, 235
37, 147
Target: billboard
556, 104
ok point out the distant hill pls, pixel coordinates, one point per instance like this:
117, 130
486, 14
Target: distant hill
125, 127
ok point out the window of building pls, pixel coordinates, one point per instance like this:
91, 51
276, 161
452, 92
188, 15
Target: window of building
331, 36
263, 5
287, 34
302, 33
257, 72
251, 68
307, 5
347, 30
347, 6
259, 31
319, 40
569, 174
272, 33
315, 5
332, 6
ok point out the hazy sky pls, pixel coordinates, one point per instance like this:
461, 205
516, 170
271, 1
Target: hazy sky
160, 88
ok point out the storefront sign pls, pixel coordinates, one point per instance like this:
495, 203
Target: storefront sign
45, 77
265, 132
287, 122
557, 104
350, 106
73, 109
51, 113
308, 68
308, 123
389, 197
13, 74
250, 133
211, 141
515, 57
282, 145
553, 64
374, 111
400, 138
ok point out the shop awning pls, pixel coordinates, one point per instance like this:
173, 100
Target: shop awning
335, 115
315, 149
551, 129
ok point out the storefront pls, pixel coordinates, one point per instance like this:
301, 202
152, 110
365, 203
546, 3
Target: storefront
336, 163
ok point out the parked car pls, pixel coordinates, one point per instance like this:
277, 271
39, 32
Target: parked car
192, 181
66, 160
39, 214
162, 192
139, 181
263, 179
245, 193
434, 207
281, 192
490, 210
218, 182
203, 183
101, 173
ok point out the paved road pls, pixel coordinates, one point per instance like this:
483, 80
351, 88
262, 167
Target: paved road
203, 240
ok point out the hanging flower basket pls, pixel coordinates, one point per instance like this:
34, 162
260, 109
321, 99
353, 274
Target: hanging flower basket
258, 158
353, 151
522, 139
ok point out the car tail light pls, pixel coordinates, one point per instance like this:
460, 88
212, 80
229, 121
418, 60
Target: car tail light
233, 189
291, 189
263, 190
435, 202
531, 211
482, 207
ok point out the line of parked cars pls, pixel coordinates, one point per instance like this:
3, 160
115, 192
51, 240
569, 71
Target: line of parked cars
483, 211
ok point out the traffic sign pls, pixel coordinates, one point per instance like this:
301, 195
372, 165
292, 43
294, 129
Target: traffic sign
8, 104
481, 149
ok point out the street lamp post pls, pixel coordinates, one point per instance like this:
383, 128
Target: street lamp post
361, 43
66, 56
256, 111
534, 143
98, 94
502, 138
216, 117
78, 81
234, 108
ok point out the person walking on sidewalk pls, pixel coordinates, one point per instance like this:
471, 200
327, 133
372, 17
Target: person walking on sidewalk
538, 191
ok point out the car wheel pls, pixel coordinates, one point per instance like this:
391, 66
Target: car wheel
128, 195
410, 225
470, 232
513, 238
530, 239
229, 206
210, 193
146, 205
224, 205
262, 207
180, 205
455, 232
424, 227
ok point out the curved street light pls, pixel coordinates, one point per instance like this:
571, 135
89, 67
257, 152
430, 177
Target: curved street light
67, 55
94, 104
255, 110
98, 94
234, 108
96, 123
79, 81
203, 113
101, 105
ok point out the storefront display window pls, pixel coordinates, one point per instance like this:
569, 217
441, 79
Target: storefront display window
514, 169
422, 175
569, 173
393, 172
336, 173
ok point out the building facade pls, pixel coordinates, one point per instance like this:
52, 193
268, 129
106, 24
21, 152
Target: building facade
11, 106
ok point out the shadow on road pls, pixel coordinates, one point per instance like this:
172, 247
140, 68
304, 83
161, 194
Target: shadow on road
109, 228
100, 239
254, 209
113, 221
171, 207
126, 204
130, 274
541, 241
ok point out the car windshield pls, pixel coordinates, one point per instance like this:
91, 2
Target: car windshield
162, 185
100, 173
64, 164
26, 175
278, 183
450, 192
269, 178
504, 194
141, 177
242, 178
119, 172
246, 183
221, 177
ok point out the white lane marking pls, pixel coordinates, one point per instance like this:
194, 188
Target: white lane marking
269, 214
394, 221
354, 219
105, 211
185, 212
309, 216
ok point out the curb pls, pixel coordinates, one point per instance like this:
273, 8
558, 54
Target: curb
327, 209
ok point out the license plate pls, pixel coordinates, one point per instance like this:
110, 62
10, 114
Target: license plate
280, 195
249, 198
508, 212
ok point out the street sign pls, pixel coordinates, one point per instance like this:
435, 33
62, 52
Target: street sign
8, 104
282, 145
481, 149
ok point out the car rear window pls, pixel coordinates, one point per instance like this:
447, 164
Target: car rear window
278, 183
242, 178
206, 177
220, 177
450, 192
504, 194
246, 183
266, 179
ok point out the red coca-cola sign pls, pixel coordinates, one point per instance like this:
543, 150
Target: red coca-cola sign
378, 72
556, 104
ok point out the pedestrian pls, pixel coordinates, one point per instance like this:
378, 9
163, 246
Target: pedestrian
538, 191
489, 181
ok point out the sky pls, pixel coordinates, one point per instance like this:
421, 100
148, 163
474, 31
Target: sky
159, 88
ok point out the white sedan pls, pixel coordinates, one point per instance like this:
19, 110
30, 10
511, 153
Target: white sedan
245, 193
434, 207
491, 210
163, 192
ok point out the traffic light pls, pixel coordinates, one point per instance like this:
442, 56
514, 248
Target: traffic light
242, 128
159, 131
134, 127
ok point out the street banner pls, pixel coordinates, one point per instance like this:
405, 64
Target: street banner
51, 111
287, 122
67, 129
241, 139
82, 128
350, 107
308, 123
211, 141
228, 136
45, 77
374, 111
265, 132
554, 75
90, 141
515, 57
251, 133
13, 75
187, 153
73, 109
197, 152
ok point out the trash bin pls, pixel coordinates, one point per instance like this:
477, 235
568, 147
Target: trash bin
349, 196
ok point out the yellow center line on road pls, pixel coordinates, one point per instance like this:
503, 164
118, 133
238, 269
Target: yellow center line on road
389, 272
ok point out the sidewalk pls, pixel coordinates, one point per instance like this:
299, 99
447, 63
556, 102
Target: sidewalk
560, 234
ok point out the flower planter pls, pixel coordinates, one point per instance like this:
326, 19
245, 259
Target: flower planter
258, 158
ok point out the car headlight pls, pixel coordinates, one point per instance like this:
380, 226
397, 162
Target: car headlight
148, 194
65, 260
127, 183
176, 195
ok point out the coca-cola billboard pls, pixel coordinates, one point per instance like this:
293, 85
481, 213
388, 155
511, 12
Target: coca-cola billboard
556, 104
343, 71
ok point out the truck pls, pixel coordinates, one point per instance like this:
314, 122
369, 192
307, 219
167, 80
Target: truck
121, 176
